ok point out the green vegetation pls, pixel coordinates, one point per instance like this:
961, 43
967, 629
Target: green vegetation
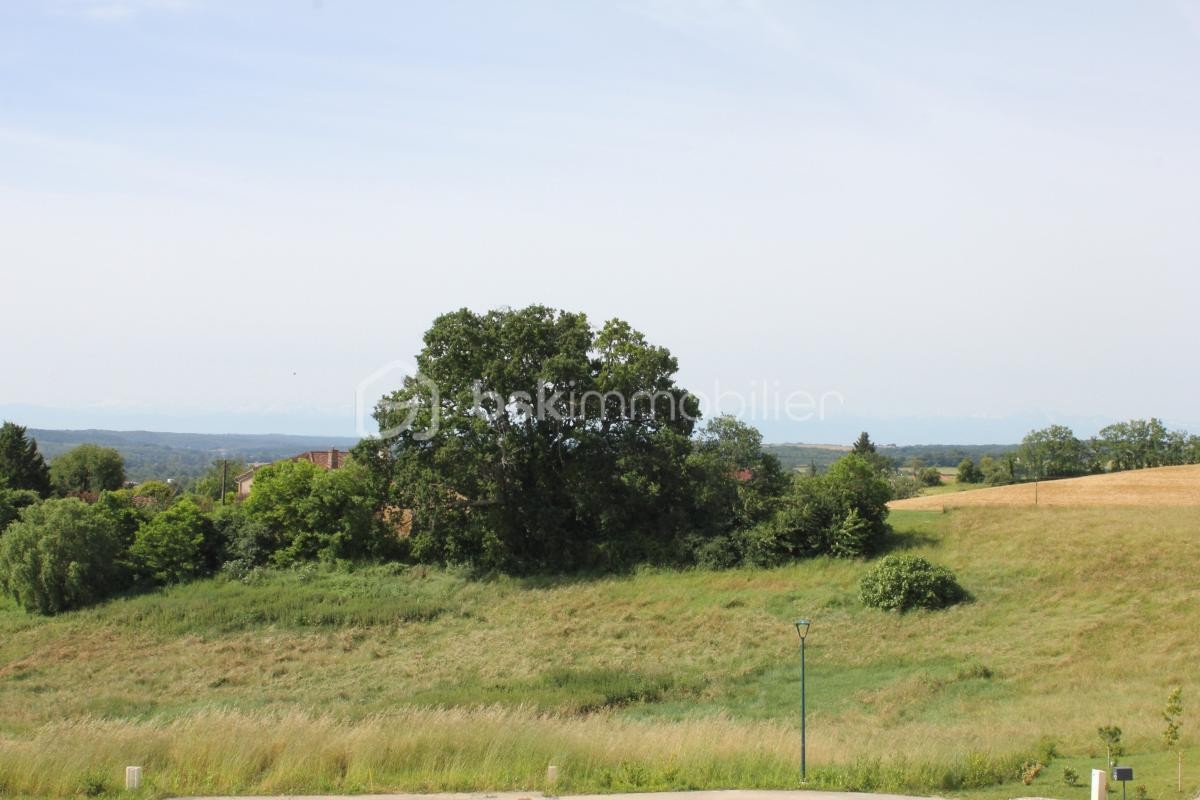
560, 447
968, 472
399, 677
87, 469
171, 546
61, 554
906, 582
1111, 735
21, 464
1055, 452
12, 501
572, 570
305, 513
1172, 716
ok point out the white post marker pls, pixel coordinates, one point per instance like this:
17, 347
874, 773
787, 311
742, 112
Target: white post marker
1099, 784
551, 775
133, 778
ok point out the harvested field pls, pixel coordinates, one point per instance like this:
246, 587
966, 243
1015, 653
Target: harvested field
1161, 486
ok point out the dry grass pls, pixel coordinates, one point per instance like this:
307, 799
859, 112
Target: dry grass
227, 752
1162, 486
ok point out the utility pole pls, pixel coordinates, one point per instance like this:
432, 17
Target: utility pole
224, 472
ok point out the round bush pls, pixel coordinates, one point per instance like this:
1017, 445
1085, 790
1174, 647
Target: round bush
60, 555
900, 583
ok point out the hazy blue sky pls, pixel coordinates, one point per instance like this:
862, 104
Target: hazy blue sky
964, 218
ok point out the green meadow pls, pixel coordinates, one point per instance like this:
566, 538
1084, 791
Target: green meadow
414, 679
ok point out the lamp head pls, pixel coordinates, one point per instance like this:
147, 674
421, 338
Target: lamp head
802, 627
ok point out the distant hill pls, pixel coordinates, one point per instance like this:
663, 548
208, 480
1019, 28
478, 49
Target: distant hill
802, 456
162, 455
155, 454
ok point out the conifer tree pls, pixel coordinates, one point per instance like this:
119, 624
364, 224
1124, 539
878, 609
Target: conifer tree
20, 462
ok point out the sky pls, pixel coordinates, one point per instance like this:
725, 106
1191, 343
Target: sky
941, 222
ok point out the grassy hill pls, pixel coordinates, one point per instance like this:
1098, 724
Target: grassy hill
414, 679
1157, 487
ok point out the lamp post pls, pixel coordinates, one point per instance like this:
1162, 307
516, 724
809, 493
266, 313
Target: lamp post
802, 631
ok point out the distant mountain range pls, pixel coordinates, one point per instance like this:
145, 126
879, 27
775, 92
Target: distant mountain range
154, 454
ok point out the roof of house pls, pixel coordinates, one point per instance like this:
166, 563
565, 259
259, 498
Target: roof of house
326, 459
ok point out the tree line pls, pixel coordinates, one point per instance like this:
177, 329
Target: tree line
1056, 452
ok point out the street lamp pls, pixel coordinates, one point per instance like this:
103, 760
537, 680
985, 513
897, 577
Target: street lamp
802, 631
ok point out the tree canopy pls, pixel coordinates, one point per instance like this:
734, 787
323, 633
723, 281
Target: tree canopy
21, 465
87, 469
558, 445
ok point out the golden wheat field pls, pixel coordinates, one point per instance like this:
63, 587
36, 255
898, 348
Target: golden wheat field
1161, 486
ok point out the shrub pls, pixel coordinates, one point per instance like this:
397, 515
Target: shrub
1070, 776
1111, 736
158, 493
12, 501
60, 555
853, 538
764, 545
968, 472
930, 476
902, 582
719, 552
243, 538
1046, 750
903, 486
171, 547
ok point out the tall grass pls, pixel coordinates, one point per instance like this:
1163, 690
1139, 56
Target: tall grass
427, 750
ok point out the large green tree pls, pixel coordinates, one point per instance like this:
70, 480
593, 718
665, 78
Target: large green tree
21, 465
87, 469
1141, 443
531, 440
1052, 452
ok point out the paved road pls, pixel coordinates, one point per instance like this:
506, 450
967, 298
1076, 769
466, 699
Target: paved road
726, 794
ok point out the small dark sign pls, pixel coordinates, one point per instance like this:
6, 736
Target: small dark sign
1122, 773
